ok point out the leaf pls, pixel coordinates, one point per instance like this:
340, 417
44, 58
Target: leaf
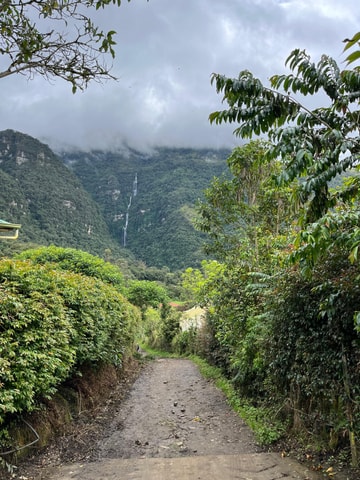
353, 57
351, 43
354, 254
357, 320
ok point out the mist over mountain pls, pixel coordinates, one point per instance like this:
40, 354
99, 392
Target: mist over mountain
127, 202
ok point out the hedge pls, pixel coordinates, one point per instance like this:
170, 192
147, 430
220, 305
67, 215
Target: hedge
51, 322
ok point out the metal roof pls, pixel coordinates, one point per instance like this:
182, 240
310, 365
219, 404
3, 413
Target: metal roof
9, 230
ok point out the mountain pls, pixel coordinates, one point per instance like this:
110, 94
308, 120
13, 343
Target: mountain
147, 200
126, 204
41, 193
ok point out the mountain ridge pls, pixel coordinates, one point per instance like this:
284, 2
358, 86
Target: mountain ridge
132, 203
42, 194
148, 199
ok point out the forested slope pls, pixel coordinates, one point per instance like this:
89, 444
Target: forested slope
131, 204
47, 199
148, 200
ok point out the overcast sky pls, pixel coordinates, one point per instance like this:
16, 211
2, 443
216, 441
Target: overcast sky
165, 54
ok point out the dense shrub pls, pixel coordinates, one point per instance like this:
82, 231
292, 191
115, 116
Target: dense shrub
170, 327
185, 342
51, 321
314, 351
76, 261
145, 294
290, 342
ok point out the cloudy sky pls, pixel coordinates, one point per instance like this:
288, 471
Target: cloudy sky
165, 54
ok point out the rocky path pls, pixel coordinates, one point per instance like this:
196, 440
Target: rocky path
175, 425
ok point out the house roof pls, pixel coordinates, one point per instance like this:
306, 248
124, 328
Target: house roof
9, 230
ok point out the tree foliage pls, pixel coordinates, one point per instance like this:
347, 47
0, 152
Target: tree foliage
247, 218
246, 211
55, 39
145, 294
73, 260
199, 284
315, 144
53, 321
290, 335
349, 44
282, 338
314, 351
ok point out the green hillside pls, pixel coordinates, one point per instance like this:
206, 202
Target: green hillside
147, 200
47, 199
131, 204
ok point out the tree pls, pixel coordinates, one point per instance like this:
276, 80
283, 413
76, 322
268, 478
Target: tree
349, 43
55, 39
200, 284
243, 214
144, 294
247, 220
315, 145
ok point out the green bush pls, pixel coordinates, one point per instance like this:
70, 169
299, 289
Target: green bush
170, 327
160, 327
37, 347
75, 261
145, 294
103, 320
185, 342
52, 321
314, 348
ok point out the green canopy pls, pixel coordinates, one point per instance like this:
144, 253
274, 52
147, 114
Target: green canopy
9, 230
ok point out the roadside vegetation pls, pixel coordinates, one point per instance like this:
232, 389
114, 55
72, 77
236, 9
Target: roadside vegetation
53, 322
65, 313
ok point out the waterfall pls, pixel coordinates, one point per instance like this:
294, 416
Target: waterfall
134, 193
127, 221
135, 186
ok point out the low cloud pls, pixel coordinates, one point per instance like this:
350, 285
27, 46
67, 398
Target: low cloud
166, 52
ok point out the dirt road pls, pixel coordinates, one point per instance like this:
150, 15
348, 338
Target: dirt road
173, 425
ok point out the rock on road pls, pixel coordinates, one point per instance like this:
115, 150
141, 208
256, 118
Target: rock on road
176, 425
